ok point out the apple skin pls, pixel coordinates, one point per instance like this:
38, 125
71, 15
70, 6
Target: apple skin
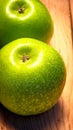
32, 76
33, 20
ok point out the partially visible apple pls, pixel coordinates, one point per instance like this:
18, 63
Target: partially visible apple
24, 18
32, 76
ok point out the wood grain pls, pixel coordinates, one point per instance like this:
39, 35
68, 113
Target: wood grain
60, 117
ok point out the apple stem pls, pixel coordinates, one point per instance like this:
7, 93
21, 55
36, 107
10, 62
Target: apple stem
25, 58
21, 10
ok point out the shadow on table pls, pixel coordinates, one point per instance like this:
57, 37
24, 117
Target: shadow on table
39, 122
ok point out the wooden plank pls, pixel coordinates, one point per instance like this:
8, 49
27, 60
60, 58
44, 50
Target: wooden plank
60, 117
71, 5
63, 43
71, 13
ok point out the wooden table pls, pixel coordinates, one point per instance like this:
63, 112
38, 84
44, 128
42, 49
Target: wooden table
60, 117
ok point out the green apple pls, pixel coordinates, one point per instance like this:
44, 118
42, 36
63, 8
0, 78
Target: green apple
32, 76
24, 18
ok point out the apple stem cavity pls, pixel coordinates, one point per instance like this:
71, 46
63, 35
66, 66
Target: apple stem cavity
25, 58
21, 10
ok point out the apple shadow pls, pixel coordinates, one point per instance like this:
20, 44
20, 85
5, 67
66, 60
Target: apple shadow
42, 121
